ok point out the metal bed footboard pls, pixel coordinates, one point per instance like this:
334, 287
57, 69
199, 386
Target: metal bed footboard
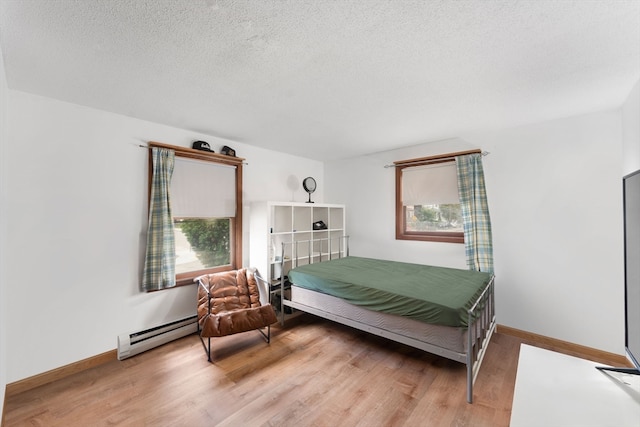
481, 321
482, 324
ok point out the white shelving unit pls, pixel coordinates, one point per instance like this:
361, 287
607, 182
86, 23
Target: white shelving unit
275, 223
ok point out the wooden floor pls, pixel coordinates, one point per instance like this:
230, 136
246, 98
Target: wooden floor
314, 373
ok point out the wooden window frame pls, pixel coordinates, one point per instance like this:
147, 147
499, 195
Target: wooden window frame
426, 236
183, 279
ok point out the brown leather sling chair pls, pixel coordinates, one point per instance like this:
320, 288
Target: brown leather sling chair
231, 302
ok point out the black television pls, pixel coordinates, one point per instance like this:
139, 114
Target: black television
631, 195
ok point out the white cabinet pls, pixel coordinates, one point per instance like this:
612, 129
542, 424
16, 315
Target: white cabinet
275, 223
554, 389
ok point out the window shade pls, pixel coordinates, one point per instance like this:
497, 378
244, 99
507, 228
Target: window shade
203, 189
430, 185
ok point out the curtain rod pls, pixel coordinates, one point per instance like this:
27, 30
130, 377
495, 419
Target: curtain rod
434, 159
148, 147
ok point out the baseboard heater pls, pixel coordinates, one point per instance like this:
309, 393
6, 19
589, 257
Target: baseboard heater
137, 342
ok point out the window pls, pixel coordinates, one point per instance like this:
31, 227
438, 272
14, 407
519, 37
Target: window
206, 206
202, 243
427, 203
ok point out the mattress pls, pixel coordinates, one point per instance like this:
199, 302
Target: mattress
447, 337
434, 295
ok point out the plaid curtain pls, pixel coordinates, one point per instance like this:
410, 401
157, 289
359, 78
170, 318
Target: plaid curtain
159, 263
475, 213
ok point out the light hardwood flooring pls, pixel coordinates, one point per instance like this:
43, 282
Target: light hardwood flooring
314, 373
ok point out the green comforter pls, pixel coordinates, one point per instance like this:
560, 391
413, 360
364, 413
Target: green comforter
436, 295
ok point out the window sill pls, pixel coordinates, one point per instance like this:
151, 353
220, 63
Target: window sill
436, 237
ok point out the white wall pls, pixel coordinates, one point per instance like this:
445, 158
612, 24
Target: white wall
556, 208
367, 189
76, 214
556, 201
4, 105
631, 130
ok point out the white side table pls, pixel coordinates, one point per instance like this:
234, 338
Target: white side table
553, 389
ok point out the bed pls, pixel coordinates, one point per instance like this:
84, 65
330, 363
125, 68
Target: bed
444, 311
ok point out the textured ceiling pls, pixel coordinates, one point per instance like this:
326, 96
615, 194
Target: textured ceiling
326, 79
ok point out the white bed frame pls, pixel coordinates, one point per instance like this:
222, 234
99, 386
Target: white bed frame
468, 347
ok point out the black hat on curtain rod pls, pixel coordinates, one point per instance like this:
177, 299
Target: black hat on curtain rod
202, 145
